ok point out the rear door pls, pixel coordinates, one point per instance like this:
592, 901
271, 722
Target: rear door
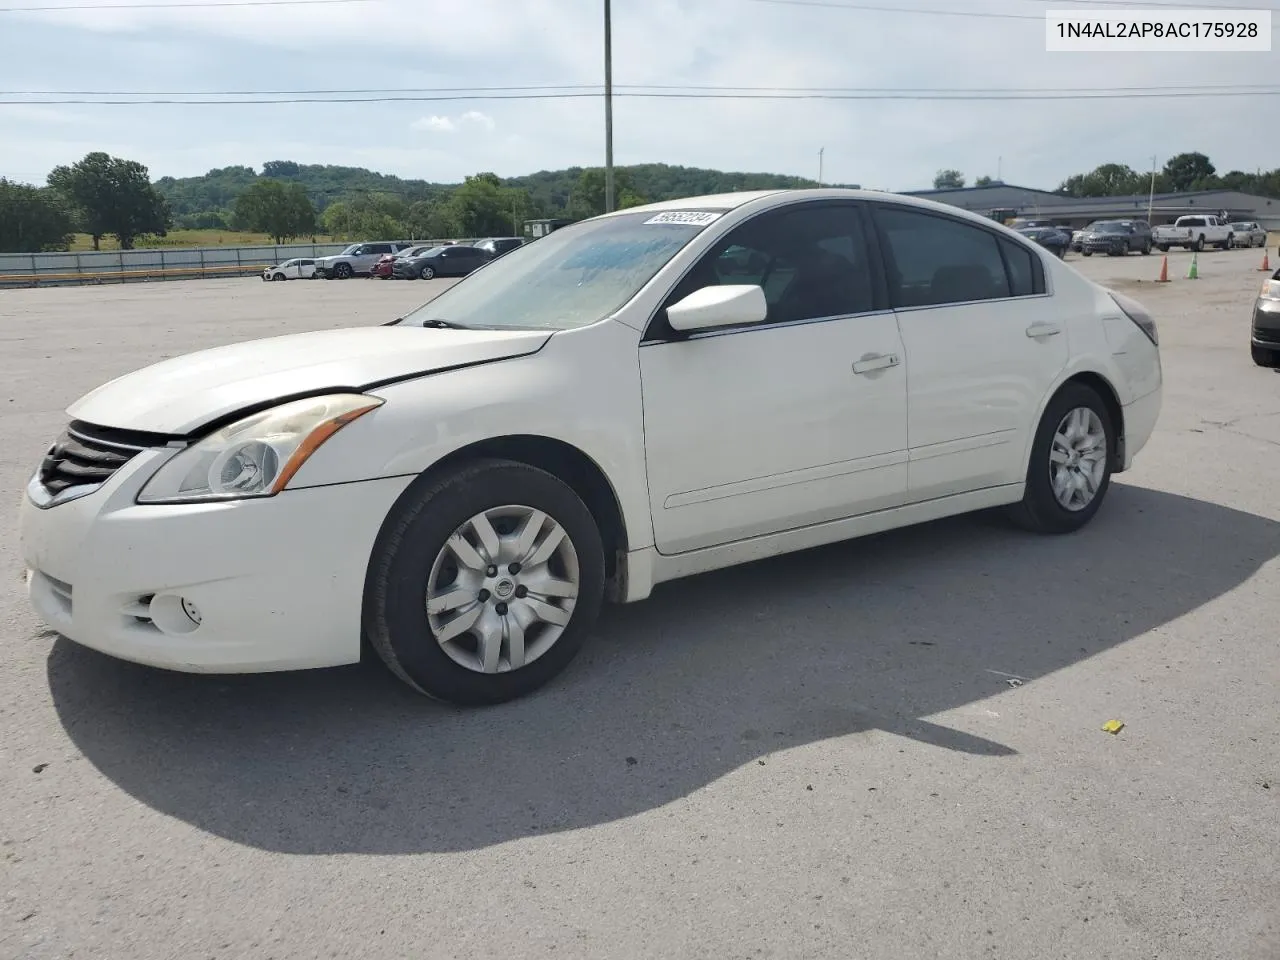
984, 343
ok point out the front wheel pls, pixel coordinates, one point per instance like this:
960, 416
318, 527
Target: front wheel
1071, 463
484, 582
279, 276
427, 273
342, 271
1162, 247
1087, 253
1264, 357
1198, 245
1146, 249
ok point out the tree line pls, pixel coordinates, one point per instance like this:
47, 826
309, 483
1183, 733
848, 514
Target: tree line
103, 196
1184, 173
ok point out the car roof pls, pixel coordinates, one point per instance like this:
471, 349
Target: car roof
764, 199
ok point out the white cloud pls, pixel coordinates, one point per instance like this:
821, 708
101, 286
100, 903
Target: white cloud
434, 124
479, 119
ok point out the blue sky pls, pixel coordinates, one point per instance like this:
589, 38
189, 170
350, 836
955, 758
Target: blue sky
469, 43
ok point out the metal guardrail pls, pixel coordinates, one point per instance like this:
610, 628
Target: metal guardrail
126, 266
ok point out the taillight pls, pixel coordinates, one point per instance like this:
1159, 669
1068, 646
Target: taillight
1270, 290
1138, 314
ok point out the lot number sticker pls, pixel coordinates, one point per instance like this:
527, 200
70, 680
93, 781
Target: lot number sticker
690, 218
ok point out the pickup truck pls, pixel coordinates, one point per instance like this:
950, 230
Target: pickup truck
1194, 233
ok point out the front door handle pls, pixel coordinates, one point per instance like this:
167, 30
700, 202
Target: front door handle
1043, 330
875, 361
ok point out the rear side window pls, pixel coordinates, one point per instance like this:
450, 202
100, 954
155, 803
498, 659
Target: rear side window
1021, 264
933, 260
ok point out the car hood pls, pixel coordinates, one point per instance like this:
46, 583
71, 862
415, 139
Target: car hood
181, 395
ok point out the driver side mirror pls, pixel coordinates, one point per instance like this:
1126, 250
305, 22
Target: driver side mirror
730, 305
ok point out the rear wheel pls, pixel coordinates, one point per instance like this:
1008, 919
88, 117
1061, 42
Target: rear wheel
1071, 463
1162, 247
484, 582
1264, 357
1228, 243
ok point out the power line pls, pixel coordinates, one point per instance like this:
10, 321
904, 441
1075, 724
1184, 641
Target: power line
1224, 88
936, 97
829, 4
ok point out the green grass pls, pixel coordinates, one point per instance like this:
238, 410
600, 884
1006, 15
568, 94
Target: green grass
178, 239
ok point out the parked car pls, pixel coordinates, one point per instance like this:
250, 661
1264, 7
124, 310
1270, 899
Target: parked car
357, 260
384, 268
1265, 333
589, 415
1194, 233
298, 269
495, 247
1248, 233
1116, 238
454, 260
1051, 238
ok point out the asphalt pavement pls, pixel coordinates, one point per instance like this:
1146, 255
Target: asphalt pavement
889, 748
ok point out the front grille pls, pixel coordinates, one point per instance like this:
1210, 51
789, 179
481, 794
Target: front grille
85, 455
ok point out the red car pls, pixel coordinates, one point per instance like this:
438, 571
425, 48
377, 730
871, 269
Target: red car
382, 268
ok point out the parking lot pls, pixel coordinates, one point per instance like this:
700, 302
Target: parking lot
889, 748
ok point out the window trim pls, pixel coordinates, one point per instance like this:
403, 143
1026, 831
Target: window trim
653, 335
1040, 276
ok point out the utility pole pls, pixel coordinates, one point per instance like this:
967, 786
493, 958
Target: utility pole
821, 151
608, 108
1151, 194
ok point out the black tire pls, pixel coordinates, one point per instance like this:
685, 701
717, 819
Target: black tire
1228, 243
1264, 357
1087, 253
1198, 245
427, 272
1039, 510
1146, 249
1162, 247
428, 513
279, 276
342, 271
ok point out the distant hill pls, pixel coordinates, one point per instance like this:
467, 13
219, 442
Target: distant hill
206, 201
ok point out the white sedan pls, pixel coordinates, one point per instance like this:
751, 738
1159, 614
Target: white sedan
639, 397
297, 269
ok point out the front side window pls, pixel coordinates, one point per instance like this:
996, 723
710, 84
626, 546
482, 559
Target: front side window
571, 277
812, 261
933, 260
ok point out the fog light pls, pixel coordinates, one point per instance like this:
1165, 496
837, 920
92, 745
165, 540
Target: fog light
174, 615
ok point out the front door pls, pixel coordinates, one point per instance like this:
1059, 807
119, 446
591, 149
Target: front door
797, 420
984, 346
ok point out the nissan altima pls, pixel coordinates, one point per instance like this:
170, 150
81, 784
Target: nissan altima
638, 397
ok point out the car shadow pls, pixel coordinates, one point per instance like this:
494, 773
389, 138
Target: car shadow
710, 674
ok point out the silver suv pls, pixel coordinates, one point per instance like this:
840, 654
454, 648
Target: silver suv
358, 259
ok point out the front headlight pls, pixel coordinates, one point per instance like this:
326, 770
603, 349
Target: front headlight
256, 456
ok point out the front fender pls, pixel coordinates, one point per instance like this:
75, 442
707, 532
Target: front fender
582, 389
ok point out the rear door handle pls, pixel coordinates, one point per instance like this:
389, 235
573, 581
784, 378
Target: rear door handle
1043, 330
875, 361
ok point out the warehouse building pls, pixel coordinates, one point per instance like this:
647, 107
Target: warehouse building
1004, 201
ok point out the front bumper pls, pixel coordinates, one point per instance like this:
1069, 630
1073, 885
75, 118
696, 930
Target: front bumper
240, 587
1103, 246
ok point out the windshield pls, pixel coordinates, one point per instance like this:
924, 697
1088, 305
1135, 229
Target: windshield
1109, 227
413, 252
350, 250
1242, 226
573, 277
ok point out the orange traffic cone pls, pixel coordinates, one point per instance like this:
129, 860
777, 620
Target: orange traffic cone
1266, 262
1164, 271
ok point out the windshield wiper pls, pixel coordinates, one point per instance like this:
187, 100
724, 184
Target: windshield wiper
444, 324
